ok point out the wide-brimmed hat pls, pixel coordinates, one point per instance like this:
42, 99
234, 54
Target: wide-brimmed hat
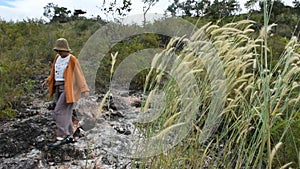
61, 44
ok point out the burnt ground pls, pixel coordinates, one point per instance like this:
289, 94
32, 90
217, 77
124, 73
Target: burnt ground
24, 139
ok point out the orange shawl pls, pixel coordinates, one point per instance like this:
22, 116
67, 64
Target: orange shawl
75, 83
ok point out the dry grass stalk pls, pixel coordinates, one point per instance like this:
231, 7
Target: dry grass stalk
246, 90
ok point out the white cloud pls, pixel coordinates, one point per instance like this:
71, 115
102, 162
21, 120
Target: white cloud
23, 9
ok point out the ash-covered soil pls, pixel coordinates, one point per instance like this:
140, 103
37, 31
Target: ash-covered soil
24, 139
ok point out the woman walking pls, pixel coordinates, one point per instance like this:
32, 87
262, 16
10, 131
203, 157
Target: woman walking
67, 82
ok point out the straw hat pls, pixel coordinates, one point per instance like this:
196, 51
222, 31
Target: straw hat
62, 45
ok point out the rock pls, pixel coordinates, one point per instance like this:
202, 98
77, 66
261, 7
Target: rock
40, 138
127, 132
122, 130
51, 105
109, 160
136, 103
87, 123
24, 139
118, 114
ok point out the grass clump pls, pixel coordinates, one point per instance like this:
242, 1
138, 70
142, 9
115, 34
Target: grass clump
235, 109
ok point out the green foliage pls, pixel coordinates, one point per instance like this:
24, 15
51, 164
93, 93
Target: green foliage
291, 141
8, 112
26, 52
125, 48
214, 10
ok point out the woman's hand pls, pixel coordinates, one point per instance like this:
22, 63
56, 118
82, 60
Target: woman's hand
44, 84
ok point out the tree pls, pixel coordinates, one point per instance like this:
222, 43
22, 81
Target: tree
113, 8
78, 12
223, 8
55, 13
49, 11
201, 7
121, 9
232, 6
277, 9
189, 7
214, 9
296, 6
174, 7
274, 8
148, 5
250, 5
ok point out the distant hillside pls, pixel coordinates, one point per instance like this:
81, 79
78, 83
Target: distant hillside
26, 47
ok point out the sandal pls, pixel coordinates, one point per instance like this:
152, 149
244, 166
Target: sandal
66, 140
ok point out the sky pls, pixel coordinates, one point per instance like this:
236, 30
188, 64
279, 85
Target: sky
17, 10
